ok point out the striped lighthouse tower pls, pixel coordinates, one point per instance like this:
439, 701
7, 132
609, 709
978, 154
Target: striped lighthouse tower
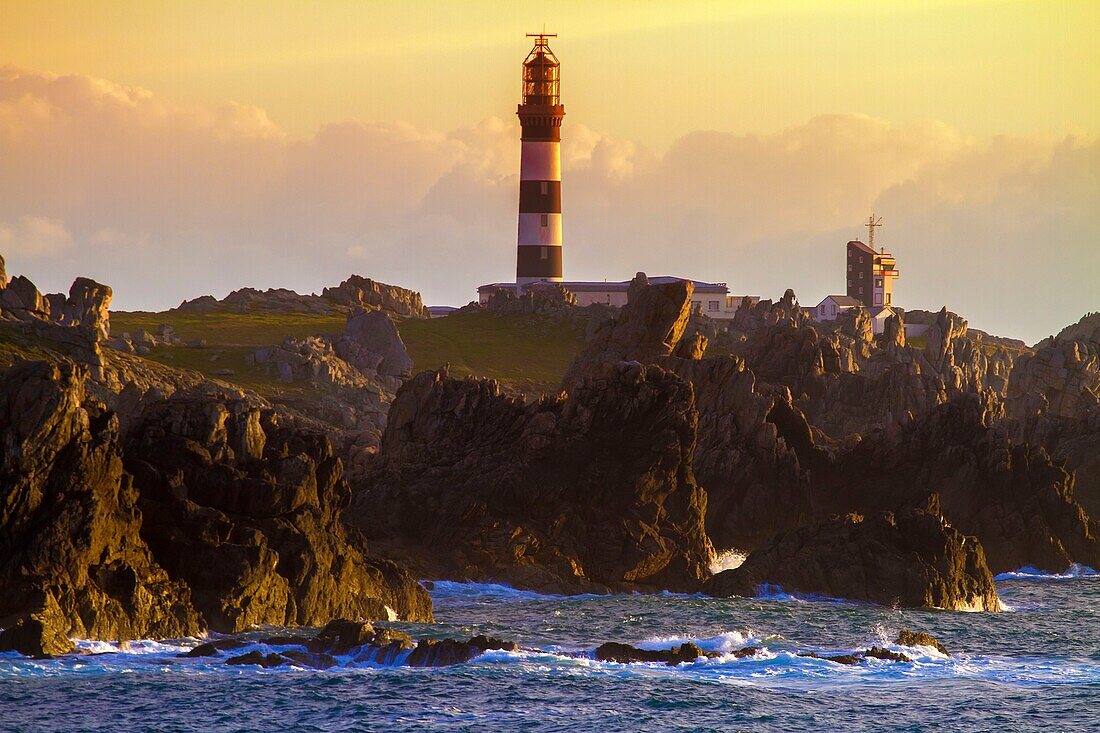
538, 254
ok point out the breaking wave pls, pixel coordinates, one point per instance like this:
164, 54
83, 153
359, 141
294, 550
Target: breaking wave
1073, 572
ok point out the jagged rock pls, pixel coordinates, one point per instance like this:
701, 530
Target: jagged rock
88, 306
3, 273
848, 659
69, 522
649, 327
548, 300
580, 493
920, 638
22, 301
912, 559
1011, 496
440, 653
247, 510
487, 643
361, 292
626, 654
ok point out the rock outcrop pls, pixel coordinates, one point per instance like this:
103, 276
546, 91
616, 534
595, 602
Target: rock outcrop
355, 293
649, 326
88, 306
246, 510
590, 492
912, 559
72, 560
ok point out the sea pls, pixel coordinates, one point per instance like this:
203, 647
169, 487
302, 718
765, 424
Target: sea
1035, 666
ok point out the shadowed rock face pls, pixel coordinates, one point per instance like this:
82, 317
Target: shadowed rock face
72, 561
586, 493
210, 515
913, 559
768, 464
246, 511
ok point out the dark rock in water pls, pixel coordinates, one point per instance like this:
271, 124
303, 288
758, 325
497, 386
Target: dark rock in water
212, 648
912, 558
747, 651
920, 638
487, 643
71, 552
313, 660
246, 510
258, 658
837, 659
441, 653
572, 494
385, 647
625, 654
341, 636
879, 653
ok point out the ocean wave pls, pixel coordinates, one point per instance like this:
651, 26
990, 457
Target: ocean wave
1073, 572
727, 560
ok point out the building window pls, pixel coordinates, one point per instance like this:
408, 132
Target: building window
544, 187
712, 305
860, 274
861, 290
888, 299
849, 282
544, 252
546, 220
878, 282
832, 309
878, 298
861, 259
849, 267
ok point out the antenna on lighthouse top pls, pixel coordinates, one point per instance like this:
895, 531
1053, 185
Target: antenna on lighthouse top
872, 222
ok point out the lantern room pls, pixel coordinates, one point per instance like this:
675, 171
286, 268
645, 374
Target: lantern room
540, 73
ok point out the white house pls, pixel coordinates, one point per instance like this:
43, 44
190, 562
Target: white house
833, 305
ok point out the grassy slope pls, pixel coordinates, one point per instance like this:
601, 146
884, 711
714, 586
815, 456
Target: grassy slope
521, 351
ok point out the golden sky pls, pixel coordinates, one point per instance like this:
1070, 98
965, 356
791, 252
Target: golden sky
178, 149
646, 71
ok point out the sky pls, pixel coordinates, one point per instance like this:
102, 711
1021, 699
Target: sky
177, 149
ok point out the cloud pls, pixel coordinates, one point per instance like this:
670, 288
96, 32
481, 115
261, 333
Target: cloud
166, 201
35, 237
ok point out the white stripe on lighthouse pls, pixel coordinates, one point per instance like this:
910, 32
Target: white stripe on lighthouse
540, 161
531, 230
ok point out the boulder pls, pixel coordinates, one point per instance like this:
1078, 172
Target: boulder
911, 559
40, 633
363, 293
368, 336
341, 635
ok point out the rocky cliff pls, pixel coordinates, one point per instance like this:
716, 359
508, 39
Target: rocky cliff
210, 514
593, 491
72, 559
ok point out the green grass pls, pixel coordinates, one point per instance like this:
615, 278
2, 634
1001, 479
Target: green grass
236, 329
524, 352
15, 345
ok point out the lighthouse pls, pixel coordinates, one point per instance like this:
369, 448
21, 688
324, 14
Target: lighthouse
538, 252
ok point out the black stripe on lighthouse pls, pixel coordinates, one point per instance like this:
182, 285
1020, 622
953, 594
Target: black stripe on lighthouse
540, 197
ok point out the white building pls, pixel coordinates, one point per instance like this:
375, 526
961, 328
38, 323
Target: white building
710, 299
